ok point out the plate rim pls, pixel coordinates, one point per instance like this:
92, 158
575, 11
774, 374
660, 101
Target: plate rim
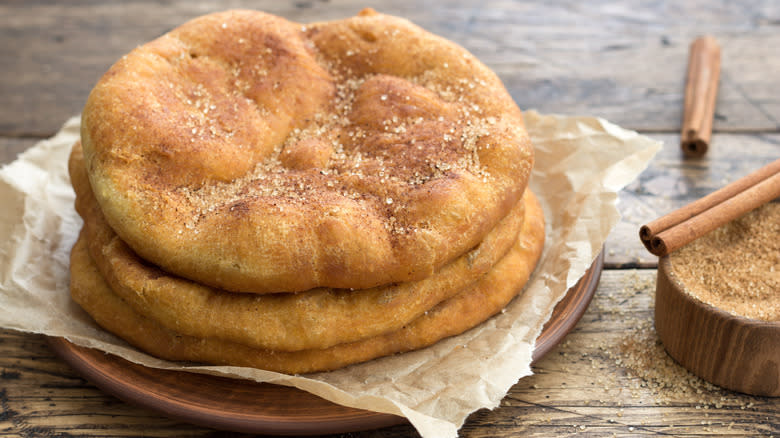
87, 363
555, 330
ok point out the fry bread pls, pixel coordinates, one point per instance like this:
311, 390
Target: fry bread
253, 154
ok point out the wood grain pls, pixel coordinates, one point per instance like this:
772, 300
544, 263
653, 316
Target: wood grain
612, 376
622, 61
10, 148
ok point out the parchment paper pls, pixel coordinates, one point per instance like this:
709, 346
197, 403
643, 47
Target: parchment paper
581, 163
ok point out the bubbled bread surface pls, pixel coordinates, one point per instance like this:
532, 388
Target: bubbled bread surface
254, 154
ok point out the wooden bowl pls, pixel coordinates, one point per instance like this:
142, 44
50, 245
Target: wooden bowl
737, 353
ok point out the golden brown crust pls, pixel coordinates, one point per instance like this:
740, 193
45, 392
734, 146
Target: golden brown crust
451, 317
254, 154
316, 318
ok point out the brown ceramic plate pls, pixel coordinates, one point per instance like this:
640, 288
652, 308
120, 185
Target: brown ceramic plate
245, 406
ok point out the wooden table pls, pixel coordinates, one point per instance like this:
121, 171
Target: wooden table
624, 61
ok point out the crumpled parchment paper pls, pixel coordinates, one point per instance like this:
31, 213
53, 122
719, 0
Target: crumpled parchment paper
581, 164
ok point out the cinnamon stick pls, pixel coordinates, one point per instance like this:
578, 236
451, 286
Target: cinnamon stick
698, 218
701, 91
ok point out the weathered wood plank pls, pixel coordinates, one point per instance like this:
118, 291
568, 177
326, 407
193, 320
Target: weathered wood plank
610, 375
10, 148
624, 62
672, 181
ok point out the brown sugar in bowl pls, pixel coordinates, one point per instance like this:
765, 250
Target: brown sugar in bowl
738, 353
716, 308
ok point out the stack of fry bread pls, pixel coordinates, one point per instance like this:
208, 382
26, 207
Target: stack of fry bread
300, 197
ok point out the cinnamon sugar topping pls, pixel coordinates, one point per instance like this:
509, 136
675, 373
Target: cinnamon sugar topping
272, 156
390, 158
